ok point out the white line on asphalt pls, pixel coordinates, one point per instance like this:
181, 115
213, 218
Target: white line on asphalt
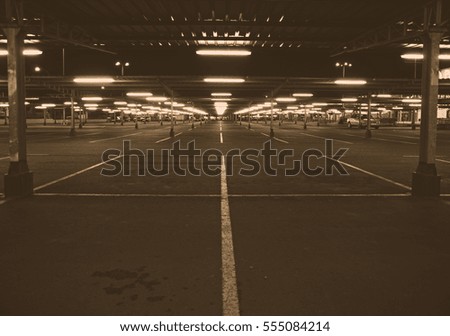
221, 137
178, 134
381, 139
444, 161
319, 137
316, 195
75, 174
4, 158
119, 137
275, 138
377, 176
162, 140
395, 141
124, 195
230, 300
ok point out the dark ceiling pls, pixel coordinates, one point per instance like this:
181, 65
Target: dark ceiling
288, 38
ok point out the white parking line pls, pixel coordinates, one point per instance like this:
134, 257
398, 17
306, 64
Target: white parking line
443, 161
162, 140
377, 176
221, 137
75, 174
315, 195
319, 137
4, 158
275, 138
119, 137
381, 139
230, 300
125, 195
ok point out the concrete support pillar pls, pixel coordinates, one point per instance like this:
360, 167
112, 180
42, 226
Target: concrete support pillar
426, 181
19, 180
249, 116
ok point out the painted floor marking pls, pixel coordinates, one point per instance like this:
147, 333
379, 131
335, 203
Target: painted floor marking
230, 300
75, 174
119, 137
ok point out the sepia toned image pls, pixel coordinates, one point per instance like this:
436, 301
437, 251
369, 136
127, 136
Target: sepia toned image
225, 158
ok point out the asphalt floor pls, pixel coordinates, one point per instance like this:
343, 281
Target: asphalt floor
356, 244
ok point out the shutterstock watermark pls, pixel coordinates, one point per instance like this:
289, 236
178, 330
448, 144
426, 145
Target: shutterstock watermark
190, 160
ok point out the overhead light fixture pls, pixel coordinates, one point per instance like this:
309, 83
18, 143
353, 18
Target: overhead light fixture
93, 80
139, 94
90, 105
303, 95
411, 100
319, 104
92, 99
48, 105
221, 99
224, 80
223, 52
120, 103
292, 108
383, 95
32, 52
416, 57
350, 82
285, 99
32, 98
70, 103
221, 94
157, 99
26, 52
349, 100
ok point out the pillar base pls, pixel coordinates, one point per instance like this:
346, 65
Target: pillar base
72, 132
249, 127
426, 185
192, 126
304, 126
368, 134
272, 134
20, 184
171, 133
136, 126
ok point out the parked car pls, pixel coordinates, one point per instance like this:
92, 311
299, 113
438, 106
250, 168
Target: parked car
355, 121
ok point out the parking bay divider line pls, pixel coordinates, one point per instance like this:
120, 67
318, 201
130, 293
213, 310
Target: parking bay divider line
119, 137
76, 173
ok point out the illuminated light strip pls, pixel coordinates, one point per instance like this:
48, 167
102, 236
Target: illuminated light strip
223, 52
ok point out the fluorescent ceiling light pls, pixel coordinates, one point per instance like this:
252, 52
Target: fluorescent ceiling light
70, 103
157, 99
285, 99
350, 82
139, 94
221, 94
32, 52
32, 98
416, 57
221, 99
319, 104
223, 80
292, 107
349, 100
93, 80
411, 100
91, 105
92, 98
48, 105
303, 95
26, 52
383, 95
223, 52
